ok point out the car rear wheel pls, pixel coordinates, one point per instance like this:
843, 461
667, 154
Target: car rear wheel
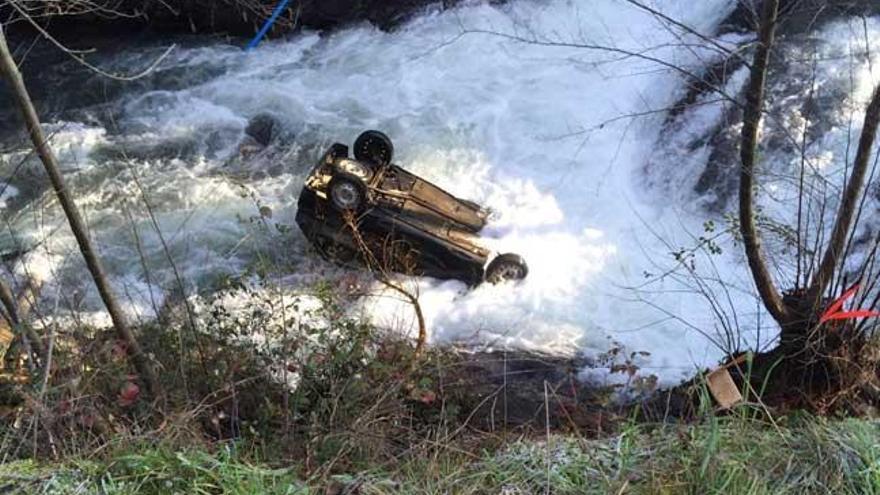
506, 267
347, 193
374, 147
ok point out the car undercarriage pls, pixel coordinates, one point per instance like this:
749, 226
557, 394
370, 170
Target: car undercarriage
370, 212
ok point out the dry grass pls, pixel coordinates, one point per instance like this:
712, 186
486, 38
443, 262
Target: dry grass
732, 455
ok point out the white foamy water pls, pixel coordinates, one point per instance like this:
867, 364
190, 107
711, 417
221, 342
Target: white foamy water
537, 133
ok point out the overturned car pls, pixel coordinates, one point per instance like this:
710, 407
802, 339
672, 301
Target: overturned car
371, 212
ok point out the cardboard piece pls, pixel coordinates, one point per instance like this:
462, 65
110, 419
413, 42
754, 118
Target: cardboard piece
723, 389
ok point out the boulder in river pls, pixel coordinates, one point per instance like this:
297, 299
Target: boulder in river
263, 128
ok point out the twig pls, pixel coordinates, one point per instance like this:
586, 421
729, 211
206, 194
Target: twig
78, 57
47, 370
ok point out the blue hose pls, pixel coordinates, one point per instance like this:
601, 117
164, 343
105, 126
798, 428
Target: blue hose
267, 25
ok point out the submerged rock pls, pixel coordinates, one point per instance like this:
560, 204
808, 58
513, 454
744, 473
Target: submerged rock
263, 128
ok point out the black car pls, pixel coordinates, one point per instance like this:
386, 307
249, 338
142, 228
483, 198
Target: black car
369, 211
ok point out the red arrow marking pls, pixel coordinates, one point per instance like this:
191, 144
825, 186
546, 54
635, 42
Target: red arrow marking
833, 312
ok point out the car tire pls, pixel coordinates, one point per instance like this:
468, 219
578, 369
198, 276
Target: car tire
506, 267
374, 147
347, 193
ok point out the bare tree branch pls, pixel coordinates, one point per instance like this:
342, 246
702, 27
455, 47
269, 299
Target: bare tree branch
77, 55
384, 276
843, 223
684, 27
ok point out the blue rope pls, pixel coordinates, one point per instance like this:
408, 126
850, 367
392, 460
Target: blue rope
267, 25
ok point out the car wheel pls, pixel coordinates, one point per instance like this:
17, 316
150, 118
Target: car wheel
506, 267
374, 147
347, 193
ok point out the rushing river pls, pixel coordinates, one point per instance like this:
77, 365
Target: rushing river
557, 141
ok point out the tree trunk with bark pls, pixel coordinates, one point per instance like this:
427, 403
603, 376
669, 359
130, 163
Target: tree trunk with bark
754, 108
815, 365
77, 225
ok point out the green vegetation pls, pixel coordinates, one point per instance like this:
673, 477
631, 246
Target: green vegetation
154, 470
730, 455
359, 419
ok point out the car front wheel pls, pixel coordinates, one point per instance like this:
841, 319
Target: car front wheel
506, 267
347, 193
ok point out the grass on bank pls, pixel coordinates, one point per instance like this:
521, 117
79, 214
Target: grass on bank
360, 421
729, 455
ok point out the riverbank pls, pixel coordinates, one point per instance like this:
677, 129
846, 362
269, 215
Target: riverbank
71, 20
739, 455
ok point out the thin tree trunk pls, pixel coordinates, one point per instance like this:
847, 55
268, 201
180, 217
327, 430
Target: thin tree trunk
847, 209
77, 225
770, 295
27, 335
